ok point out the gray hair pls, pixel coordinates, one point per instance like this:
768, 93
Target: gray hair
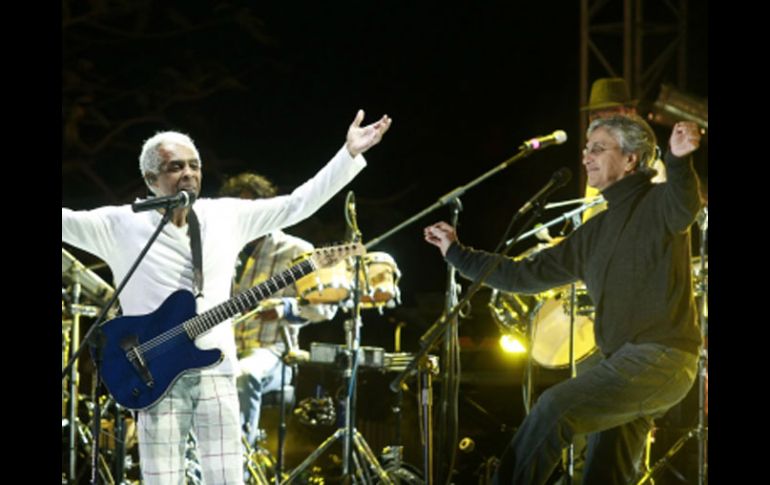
633, 134
150, 158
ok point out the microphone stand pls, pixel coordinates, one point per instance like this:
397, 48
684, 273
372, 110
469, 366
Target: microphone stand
435, 331
572, 364
356, 453
450, 380
558, 220
95, 341
450, 196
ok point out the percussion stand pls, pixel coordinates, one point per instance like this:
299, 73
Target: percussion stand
700, 432
356, 451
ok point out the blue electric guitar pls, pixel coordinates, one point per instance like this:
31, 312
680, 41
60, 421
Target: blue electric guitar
144, 355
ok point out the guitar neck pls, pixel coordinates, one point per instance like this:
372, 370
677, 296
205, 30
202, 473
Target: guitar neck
246, 300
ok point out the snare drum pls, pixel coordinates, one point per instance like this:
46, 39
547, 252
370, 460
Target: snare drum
550, 340
381, 285
325, 285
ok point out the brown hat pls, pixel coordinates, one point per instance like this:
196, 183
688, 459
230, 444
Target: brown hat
609, 92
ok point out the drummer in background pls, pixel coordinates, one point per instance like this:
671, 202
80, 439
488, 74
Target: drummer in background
260, 339
635, 261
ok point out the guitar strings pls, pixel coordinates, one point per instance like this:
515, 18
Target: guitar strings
201, 323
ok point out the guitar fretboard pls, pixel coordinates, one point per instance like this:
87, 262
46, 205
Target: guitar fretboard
246, 300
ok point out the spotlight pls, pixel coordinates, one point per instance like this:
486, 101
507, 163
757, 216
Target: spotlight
513, 343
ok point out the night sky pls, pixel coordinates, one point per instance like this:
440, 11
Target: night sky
273, 87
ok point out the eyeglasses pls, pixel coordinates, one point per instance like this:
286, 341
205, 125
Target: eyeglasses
597, 149
178, 165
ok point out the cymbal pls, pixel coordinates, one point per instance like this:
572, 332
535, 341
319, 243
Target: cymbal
91, 284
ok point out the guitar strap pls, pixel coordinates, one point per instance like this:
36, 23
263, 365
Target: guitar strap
194, 229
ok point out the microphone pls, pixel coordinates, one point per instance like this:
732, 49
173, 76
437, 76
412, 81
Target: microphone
184, 198
558, 179
556, 138
354, 234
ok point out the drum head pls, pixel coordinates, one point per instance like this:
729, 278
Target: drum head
551, 338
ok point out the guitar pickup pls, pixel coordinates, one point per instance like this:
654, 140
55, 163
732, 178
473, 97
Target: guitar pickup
131, 346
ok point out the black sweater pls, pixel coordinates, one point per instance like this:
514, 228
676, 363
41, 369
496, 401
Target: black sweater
634, 259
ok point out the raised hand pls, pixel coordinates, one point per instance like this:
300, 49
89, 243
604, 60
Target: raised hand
685, 138
361, 138
441, 235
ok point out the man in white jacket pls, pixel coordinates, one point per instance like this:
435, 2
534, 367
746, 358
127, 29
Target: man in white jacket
205, 400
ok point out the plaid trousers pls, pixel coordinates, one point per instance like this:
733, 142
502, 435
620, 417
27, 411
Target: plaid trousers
207, 404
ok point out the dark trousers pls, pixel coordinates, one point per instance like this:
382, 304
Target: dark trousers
614, 402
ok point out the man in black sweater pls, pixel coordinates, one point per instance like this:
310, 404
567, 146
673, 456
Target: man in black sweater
635, 261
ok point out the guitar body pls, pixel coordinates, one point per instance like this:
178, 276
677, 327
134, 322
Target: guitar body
140, 385
144, 355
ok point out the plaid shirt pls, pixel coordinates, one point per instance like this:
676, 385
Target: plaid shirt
272, 254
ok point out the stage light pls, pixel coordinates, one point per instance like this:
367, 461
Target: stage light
513, 343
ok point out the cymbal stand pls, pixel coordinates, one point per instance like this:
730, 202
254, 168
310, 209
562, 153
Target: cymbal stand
74, 380
700, 432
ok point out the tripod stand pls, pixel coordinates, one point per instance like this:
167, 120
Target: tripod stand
700, 432
355, 448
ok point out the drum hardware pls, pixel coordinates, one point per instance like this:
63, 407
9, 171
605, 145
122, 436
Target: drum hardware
73, 381
561, 219
358, 460
113, 462
86, 440
316, 411
92, 285
258, 462
372, 357
700, 432
84, 282
95, 338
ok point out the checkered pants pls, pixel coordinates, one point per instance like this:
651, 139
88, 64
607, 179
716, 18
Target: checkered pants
209, 406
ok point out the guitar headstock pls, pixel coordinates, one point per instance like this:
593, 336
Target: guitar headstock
331, 255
